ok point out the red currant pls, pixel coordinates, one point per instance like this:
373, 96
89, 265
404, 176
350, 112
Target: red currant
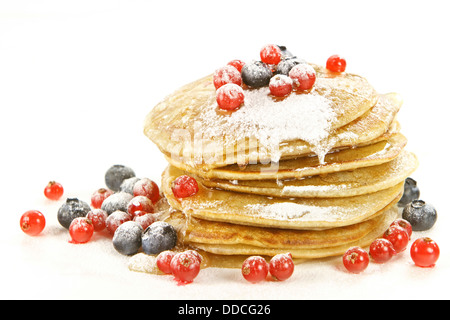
355, 260
81, 230
115, 219
184, 186
381, 250
147, 188
336, 63
255, 269
227, 74
140, 203
185, 267
98, 218
398, 237
281, 266
99, 196
304, 76
270, 54
32, 222
280, 85
425, 252
54, 190
238, 64
230, 96
144, 219
195, 254
163, 261
403, 224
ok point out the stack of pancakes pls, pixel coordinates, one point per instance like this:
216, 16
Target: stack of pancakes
311, 174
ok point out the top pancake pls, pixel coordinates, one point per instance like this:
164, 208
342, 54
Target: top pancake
190, 125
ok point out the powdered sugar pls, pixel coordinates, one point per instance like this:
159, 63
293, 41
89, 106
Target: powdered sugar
306, 116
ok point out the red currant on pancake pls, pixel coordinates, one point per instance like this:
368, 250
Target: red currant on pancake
280, 85
303, 75
238, 64
227, 74
425, 252
355, 260
54, 190
184, 186
270, 54
336, 63
230, 96
32, 222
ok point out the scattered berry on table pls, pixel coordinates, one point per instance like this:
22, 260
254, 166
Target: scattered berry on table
230, 96
280, 85
381, 250
255, 269
147, 188
98, 218
144, 219
226, 74
403, 224
117, 201
238, 64
184, 186
425, 252
81, 230
158, 237
71, 209
421, 215
115, 219
185, 267
128, 184
256, 74
140, 203
270, 54
54, 190
304, 76
115, 175
355, 260
411, 192
398, 237
127, 238
163, 261
281, 266
336, 63
32, 222
99, 196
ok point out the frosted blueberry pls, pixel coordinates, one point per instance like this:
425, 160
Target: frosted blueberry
128, 185
71, 209
256, 74
117, 201
158, 237
421, 215
116, 175
287, 64
411, 192
127, 238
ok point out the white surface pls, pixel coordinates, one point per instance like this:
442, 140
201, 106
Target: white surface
78, 77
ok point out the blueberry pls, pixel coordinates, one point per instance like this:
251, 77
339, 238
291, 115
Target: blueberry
256, 74
287, 64
128, 184
116, 174
421, 215
285, 53
127, 238
158, 237
116, 201
71, 209
411, 192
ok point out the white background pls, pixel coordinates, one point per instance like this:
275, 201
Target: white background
78, 77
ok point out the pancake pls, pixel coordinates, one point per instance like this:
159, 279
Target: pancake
382, 224
338, 184
346, 159
286, 213
189, 125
